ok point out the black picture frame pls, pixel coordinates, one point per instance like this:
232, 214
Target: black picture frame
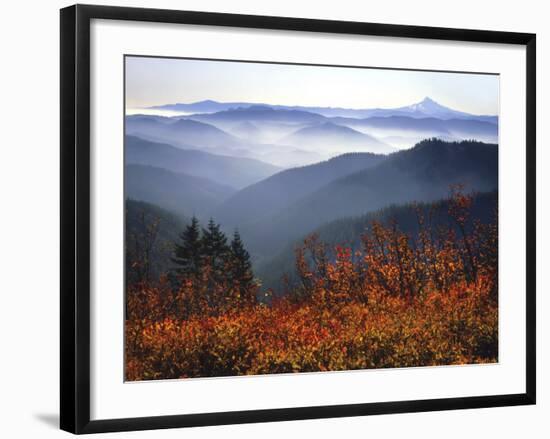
75, 217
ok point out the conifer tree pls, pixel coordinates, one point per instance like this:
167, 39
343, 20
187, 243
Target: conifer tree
241, 267
215, 248
188, 254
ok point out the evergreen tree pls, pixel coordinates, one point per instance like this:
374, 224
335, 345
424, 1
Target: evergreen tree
215, 248
241, 267
188, 254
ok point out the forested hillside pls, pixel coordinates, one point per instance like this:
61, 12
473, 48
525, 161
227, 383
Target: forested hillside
422, 174
348, 231
183, 194
267, 197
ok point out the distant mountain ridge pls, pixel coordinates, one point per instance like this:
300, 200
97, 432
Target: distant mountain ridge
425, 108
215, 136
261, 113
236, 172
298, 136
179, 132
428, 107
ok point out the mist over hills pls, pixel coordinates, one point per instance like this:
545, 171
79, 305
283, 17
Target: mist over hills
289, 136
282, 189
262, 124
184, 133
415, 130
423, 173
330, 137
183, 194
247, 130
191, 134
284, 205
236, 172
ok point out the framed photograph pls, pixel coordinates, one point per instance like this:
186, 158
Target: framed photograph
268, 218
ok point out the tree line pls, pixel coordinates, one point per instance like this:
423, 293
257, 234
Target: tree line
199, 248
209, 273
399, 300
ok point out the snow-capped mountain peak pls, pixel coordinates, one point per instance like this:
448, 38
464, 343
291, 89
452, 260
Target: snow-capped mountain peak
428, 104
429, 108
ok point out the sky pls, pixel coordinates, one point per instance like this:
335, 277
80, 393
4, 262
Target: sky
158, 81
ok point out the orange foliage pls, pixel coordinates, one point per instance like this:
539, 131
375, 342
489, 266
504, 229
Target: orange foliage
398, 302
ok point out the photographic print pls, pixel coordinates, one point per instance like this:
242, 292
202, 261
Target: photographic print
284, 218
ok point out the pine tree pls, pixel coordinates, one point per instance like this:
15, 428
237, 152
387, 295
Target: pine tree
188, 254
215, 248
241, 267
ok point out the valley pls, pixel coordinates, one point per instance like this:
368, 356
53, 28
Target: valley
277, 174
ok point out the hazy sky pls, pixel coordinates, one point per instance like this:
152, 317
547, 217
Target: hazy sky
157, 81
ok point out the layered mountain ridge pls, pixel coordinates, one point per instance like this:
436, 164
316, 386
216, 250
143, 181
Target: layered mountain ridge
427, 107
